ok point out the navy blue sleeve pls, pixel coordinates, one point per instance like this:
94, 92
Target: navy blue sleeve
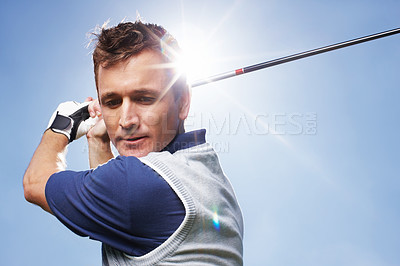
123, 203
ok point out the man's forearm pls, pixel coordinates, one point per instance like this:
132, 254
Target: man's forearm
47, 160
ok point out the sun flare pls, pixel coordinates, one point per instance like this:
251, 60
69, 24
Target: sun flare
196, 58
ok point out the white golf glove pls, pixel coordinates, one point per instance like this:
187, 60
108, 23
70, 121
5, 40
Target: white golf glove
72, 119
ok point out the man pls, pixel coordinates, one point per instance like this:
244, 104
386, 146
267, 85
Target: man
165, 199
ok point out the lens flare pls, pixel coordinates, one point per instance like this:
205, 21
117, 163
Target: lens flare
215, 221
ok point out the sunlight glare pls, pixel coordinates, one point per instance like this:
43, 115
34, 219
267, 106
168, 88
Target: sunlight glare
196, 58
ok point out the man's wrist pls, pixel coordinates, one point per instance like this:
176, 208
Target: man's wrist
99, 144
56, 137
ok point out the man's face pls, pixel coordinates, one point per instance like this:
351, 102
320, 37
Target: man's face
140, 114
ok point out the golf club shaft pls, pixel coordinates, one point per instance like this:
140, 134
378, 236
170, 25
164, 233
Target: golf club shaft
293, 57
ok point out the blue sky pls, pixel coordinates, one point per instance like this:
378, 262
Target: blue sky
311, 146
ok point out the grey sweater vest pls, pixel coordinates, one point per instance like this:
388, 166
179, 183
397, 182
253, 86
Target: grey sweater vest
212, 230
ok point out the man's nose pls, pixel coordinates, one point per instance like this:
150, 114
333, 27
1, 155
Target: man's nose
129, 119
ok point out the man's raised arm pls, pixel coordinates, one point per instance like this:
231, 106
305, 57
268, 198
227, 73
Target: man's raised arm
48, 159
70, 121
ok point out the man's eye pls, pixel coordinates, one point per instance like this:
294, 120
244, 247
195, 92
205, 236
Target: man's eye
112, 103
146, 100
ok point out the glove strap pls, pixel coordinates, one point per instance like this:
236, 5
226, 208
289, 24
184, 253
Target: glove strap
60, 122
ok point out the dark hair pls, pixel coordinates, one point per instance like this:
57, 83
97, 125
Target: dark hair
119, 43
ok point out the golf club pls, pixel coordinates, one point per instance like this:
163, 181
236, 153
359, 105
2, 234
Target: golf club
293, 57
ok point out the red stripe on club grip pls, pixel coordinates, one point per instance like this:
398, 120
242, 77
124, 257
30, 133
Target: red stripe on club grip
239, 71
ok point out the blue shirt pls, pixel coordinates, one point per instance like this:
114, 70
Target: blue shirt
123, 203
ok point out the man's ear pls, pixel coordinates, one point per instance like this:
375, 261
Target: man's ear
184, 103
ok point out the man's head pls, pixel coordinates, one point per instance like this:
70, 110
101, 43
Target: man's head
143, 100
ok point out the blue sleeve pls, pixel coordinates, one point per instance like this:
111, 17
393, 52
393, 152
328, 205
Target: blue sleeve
123, 203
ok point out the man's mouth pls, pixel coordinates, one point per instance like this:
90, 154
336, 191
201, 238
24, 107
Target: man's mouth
133, 140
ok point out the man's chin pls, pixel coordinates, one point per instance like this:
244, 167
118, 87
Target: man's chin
139, 150
133, 152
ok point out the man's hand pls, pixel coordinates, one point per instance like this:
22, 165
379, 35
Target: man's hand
97, 136
99, 130
72, 119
